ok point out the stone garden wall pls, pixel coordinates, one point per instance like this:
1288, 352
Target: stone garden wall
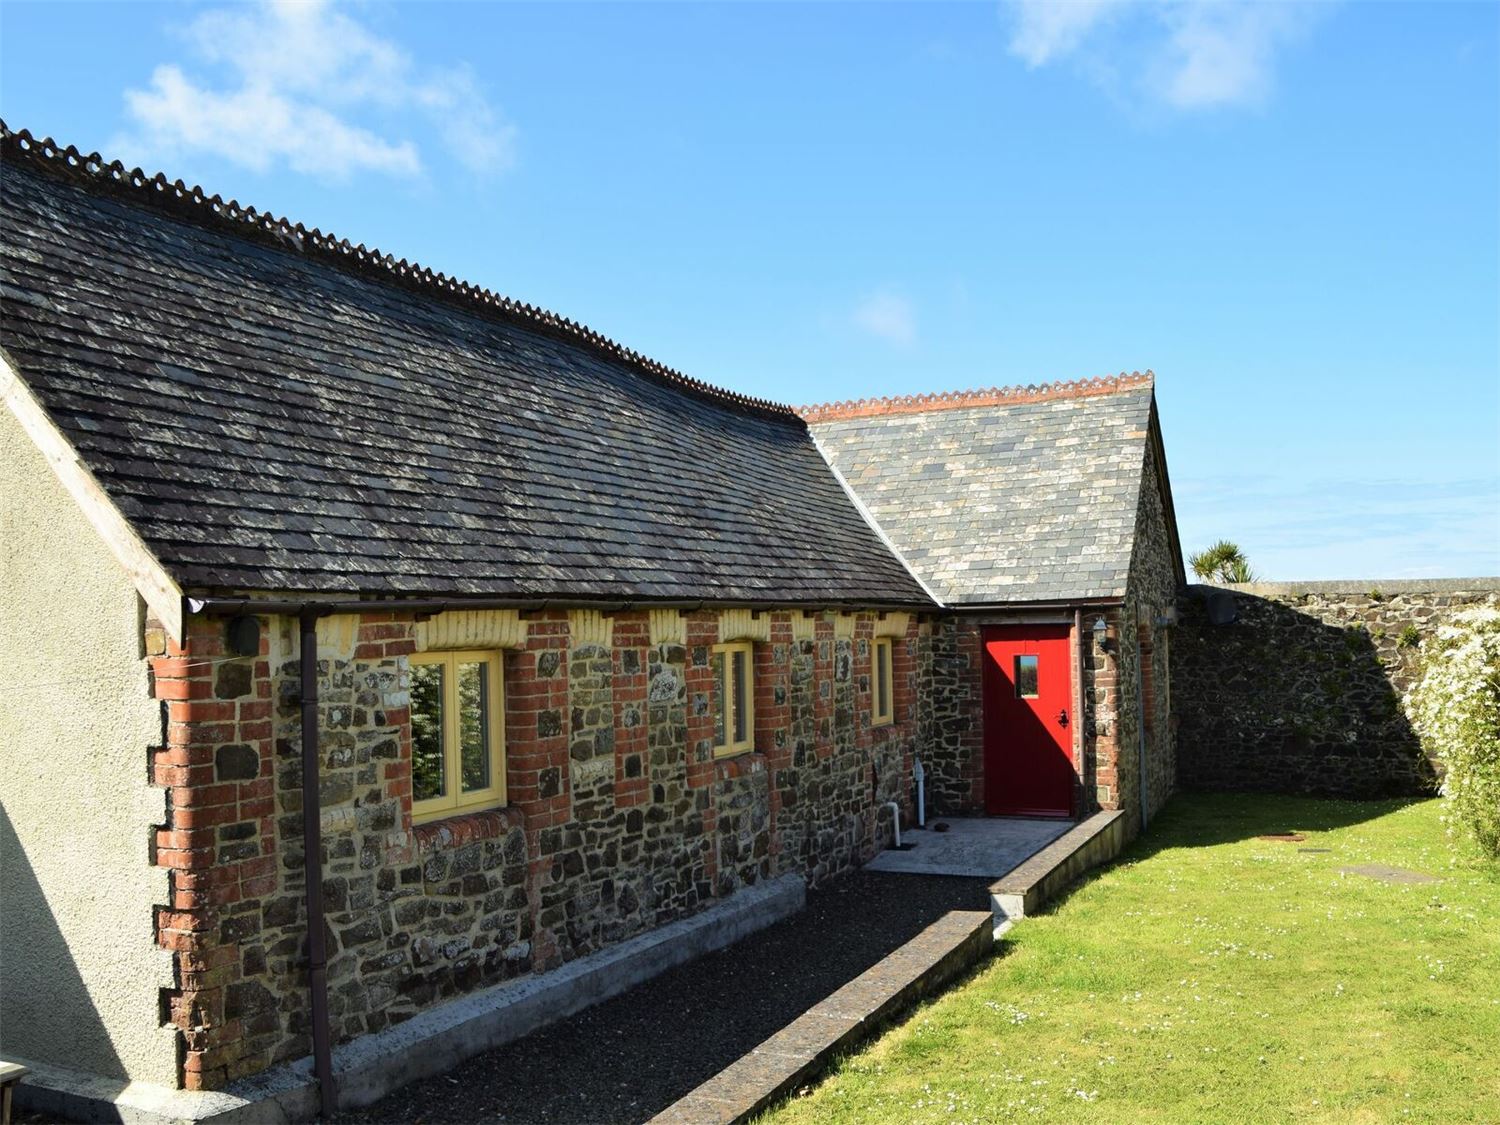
618, 817
1302, 693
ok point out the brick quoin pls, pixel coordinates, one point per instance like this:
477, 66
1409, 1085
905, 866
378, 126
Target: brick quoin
537, 715
773, 714
219, 840
630, 682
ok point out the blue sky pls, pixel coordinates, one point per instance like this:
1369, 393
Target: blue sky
1291, 213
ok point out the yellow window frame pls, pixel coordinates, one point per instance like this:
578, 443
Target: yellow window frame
733, 705
882, 703
457, 800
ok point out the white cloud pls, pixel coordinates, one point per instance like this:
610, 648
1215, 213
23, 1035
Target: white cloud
1046, 29
887, 316
300, 83
1187, 54
258, 127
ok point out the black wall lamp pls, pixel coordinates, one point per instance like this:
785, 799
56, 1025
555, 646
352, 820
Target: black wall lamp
1102, 634
242, 635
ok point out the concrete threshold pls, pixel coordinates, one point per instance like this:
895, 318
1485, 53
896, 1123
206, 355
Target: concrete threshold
434, 1041
798, 1052
1041, 878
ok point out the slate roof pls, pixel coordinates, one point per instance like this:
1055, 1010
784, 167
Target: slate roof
992, 497
275, 410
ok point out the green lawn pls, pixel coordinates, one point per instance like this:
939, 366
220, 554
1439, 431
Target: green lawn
1210, 976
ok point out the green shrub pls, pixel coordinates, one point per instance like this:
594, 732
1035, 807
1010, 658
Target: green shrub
1410, 637
1455, 709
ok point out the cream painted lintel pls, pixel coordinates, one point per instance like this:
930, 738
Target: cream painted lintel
892, 624
156, 587
590, 627
744, 625
471, 629
668, 627
843, 626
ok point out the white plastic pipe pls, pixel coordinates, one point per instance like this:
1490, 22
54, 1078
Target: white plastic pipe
920, 775
895, 819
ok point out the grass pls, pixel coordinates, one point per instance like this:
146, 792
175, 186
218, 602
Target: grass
1213, 977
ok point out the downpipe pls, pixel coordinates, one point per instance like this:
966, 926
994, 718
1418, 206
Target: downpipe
895, 820
919, 775
1140, 722
312, 866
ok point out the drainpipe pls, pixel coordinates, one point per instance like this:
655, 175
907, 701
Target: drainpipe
919, 775
1140, 724
312, 865
1080, 713
895, 821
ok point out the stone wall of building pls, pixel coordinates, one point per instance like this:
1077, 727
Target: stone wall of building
1302, 693
954, 761
1107, 773
1147, 731
618, 815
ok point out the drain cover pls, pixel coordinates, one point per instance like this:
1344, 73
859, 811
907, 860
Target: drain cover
1388, 874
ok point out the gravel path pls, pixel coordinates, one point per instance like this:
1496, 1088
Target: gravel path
630, 1057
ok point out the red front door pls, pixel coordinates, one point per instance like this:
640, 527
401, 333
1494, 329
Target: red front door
1028, 721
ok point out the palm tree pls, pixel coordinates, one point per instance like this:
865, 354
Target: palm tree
1222, 562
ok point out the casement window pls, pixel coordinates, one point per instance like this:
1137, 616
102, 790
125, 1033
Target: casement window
734, 706
457, 733
882, 683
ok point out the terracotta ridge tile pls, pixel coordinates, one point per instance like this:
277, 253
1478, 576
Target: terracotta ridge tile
987, 396
194, 204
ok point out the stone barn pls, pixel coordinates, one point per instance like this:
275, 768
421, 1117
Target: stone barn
382, 641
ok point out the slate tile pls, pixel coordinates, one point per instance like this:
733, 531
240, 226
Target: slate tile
272, 419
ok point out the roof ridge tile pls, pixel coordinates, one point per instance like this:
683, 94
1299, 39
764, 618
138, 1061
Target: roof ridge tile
194, 203
986, 396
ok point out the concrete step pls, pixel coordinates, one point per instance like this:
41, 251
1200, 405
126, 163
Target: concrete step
1044, 876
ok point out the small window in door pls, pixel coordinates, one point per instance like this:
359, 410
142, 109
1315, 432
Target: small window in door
1025, 677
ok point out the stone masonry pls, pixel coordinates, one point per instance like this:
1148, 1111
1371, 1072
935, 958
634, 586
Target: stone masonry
1302, 693
1143, 690
619, 818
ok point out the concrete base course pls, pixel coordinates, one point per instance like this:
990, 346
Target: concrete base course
1049, 872
435, 1041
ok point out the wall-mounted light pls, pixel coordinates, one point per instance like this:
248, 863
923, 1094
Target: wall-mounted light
1101, 634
